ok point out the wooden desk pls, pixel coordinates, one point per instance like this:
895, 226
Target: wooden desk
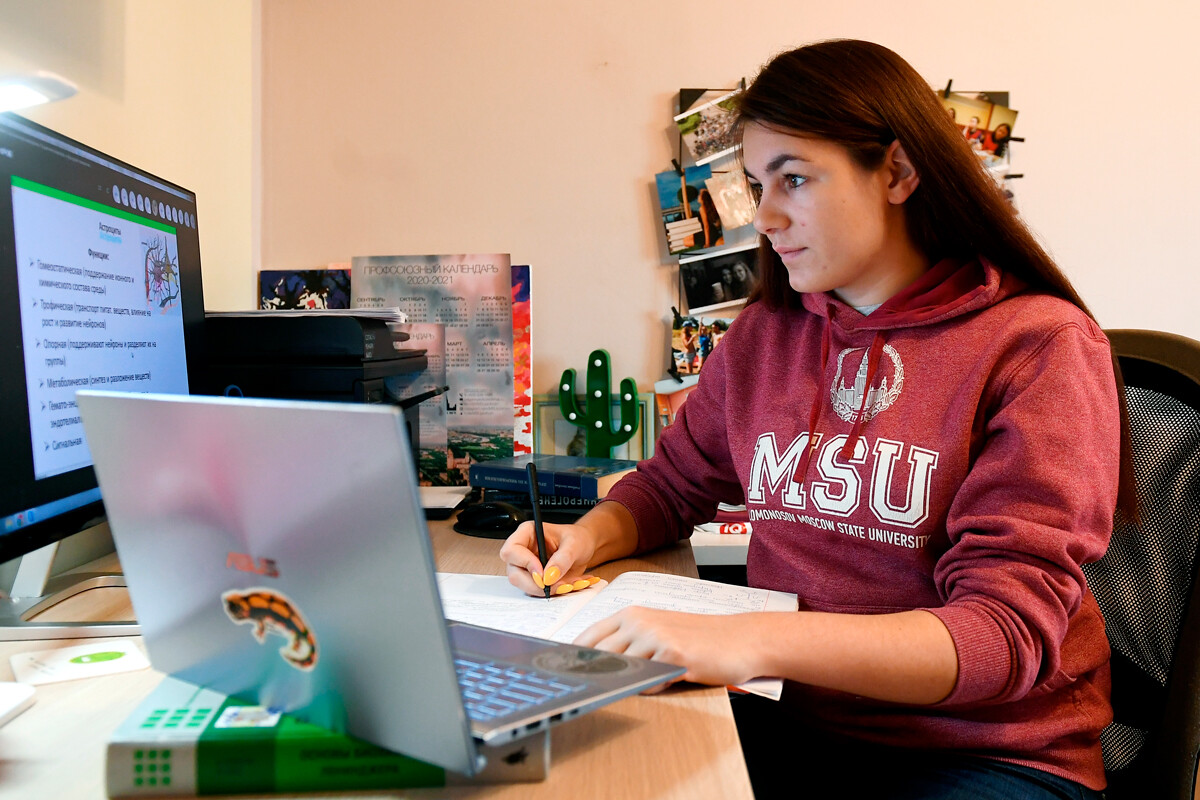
679, 744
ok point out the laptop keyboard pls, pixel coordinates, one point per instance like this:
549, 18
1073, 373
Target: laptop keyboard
494, 689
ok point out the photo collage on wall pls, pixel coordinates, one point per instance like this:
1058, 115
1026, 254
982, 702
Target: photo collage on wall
707, 127
719, 279
694, 223
693, 340
707, 215
987, 123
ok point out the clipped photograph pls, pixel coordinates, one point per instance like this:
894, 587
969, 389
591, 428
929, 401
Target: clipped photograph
731, 195
721, 279
689, 217
985, 124
303, 289
707, 130
693, 340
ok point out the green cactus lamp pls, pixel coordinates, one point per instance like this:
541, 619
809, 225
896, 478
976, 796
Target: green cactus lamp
596, 416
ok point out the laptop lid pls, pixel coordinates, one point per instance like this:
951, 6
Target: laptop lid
277, 551
297, 516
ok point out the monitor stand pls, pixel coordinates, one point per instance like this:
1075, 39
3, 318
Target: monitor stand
34, 591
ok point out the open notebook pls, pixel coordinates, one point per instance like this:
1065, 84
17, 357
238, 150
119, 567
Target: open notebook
492, 602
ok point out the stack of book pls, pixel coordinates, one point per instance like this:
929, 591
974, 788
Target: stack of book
563, 481
185, 740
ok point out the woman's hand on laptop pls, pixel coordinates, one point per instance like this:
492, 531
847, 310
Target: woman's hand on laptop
568, 550
716, 649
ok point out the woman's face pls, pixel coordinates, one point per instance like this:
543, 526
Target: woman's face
1003, 131
836, 226
740, 272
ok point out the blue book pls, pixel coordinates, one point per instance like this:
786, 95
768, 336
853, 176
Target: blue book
568, 476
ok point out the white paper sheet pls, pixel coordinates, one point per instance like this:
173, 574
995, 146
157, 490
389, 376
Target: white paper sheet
492, 602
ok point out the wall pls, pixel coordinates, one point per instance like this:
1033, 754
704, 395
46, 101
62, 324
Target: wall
535, 128
165, 86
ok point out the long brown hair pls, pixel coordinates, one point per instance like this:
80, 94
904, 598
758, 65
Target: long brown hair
862, 96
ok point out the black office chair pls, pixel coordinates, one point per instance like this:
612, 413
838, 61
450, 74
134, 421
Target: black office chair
1145, 582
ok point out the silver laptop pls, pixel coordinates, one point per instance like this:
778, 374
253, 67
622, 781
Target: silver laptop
277, 551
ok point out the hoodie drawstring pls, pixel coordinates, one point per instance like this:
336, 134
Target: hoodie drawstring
815, 411
874, 355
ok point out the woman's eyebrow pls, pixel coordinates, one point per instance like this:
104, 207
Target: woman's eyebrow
777, 162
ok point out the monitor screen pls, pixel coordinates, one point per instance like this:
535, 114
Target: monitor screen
99, 288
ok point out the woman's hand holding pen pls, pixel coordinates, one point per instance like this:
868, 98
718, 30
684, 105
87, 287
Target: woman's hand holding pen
605, 533
569, 549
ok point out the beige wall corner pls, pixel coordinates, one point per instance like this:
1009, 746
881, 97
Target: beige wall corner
164, 86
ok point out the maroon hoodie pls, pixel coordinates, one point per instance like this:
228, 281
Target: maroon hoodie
964, 459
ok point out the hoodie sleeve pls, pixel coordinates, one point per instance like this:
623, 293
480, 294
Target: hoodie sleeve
691, 470
1037, 503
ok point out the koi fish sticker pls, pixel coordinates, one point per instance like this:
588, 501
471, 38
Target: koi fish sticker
270, 611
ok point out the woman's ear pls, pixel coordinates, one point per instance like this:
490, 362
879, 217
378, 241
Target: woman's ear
903, 177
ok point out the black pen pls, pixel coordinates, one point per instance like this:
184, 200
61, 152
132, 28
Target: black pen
538, 532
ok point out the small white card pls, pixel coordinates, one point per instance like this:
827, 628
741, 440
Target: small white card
14, 698
101, 657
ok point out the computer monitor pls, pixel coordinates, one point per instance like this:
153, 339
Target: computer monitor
100, 287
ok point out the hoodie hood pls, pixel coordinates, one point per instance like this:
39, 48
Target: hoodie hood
948, 289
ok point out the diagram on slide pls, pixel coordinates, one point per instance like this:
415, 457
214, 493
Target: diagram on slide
162, 273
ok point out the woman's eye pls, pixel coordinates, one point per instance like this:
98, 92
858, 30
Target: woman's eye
794, 181
756, 192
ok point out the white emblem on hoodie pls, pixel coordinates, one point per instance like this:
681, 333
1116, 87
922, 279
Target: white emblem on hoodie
847, 400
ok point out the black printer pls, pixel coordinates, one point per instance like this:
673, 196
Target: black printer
308, 356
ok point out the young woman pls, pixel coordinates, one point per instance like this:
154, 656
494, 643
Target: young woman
997, 140
923, 422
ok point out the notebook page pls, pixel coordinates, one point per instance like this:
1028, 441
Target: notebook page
672, 593
490, 601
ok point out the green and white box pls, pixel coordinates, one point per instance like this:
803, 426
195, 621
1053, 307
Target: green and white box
185, 740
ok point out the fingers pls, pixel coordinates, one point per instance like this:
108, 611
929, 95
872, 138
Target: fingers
518, 553
563, 572
631, 632
568, 550
616, 635
598, 632
566, 586
523, 580
532, 582
565, 566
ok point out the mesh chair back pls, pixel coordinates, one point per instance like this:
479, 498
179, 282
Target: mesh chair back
1144, 583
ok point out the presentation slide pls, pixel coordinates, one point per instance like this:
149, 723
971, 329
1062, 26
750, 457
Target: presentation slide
100, 309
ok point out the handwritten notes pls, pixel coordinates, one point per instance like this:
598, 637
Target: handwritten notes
491, 601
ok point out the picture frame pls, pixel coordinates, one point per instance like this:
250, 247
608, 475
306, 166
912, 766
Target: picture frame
554, 435
719, 279
285, 289
708, 129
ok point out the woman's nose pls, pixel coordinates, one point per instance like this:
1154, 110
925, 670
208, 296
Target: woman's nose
766, 217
